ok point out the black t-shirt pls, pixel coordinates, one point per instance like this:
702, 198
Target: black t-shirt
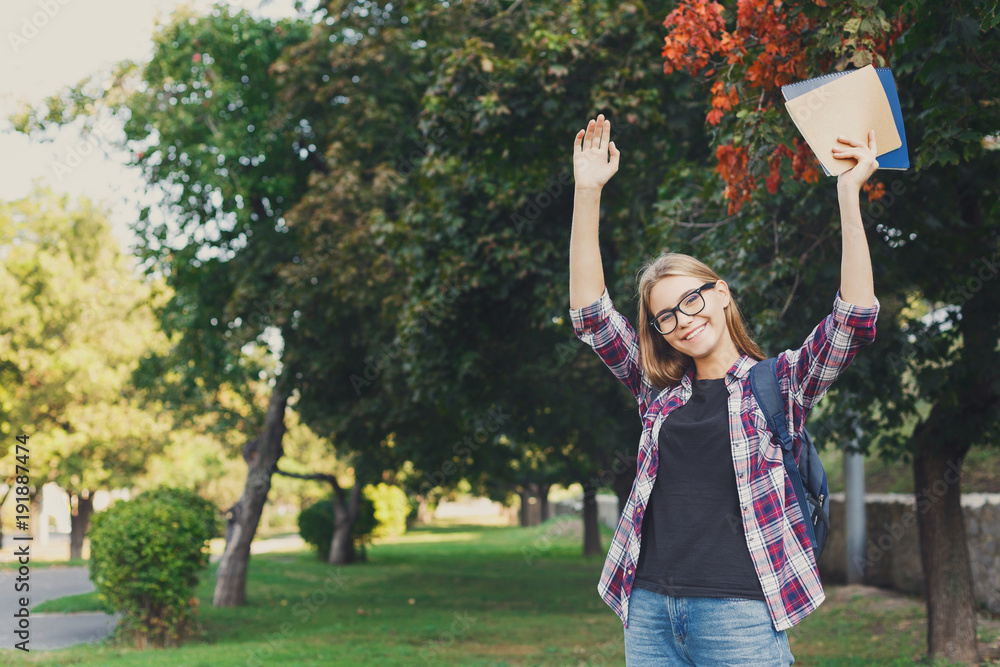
693, 542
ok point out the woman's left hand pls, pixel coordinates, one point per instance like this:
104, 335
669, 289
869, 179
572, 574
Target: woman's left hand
866, 165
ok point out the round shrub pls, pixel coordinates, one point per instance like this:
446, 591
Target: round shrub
145, 557
391, 509
316, 524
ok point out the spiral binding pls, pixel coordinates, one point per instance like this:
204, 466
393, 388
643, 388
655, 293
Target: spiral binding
813, 83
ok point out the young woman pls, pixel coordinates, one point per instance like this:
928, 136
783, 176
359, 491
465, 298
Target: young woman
711, 561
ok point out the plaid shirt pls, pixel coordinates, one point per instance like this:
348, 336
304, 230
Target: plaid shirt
772, 521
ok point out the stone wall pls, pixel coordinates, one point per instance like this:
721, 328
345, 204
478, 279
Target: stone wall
892, 554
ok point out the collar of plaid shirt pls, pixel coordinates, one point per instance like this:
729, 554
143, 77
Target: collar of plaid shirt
772, 522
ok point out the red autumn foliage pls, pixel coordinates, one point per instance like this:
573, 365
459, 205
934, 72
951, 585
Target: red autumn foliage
766, 40
732, 167
803, 162
764, 50
692, 41
774, 167
875, 190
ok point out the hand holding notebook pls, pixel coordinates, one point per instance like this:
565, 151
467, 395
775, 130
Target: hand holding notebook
862, 156
849, 104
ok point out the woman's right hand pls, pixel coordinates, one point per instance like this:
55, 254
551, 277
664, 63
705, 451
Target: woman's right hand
591, 166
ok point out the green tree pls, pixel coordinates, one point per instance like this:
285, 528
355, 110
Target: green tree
207, 432
306, 452
76, 321
207, 125
934, 233
511, 97
476, 227
205, 122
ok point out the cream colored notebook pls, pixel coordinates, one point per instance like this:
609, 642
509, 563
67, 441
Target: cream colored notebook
848, 105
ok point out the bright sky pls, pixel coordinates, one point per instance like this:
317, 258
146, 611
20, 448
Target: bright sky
46, 45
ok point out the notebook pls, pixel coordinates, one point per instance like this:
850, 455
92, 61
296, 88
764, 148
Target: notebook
849, 103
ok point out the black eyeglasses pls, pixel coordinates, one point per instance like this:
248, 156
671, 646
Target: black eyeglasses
692, 304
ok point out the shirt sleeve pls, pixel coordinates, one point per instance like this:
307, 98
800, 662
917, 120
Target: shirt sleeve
808, 372
606, 330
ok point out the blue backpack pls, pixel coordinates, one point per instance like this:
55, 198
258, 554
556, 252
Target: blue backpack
811, 488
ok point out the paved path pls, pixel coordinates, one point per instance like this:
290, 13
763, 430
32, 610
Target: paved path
51, 631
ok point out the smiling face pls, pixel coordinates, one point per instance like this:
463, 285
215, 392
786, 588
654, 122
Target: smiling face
663, 283
703, 336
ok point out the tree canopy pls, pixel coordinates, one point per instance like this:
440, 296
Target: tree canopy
933, 230
389, 188
76, 322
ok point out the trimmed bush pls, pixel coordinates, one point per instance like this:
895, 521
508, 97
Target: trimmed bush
316, 525
145, 557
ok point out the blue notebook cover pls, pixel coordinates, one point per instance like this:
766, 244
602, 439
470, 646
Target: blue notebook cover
895, 159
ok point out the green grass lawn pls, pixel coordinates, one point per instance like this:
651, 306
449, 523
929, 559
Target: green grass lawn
469, 595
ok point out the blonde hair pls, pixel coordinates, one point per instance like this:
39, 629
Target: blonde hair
664, 365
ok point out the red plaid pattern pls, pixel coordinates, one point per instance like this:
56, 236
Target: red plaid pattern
773, 523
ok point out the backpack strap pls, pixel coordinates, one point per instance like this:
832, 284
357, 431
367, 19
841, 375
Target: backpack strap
765, 387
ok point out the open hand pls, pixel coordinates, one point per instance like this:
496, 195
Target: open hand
591, 166
866, 165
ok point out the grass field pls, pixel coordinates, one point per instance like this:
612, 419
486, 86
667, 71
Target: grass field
454, 594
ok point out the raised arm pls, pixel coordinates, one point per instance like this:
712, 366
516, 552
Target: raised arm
856, 283
595, 320
808, 372
591, 170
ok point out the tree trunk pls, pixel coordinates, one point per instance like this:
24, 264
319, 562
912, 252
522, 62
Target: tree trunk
624, 471
944, 553
422, 508
231, 578
81, 507
522, 493
544, 511
529, 504
591, 536
962, 416
345, 514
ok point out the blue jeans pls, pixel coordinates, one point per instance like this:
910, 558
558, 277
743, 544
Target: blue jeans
666, 630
